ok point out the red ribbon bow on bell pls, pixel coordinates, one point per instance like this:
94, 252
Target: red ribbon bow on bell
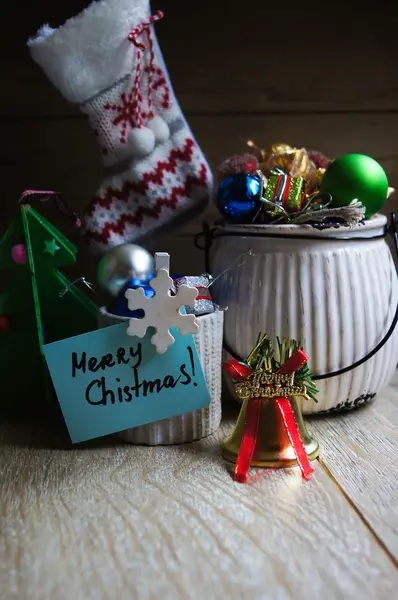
260, 384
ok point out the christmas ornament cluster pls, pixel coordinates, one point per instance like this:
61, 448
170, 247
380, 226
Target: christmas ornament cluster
131, 267
148, 297
284, 184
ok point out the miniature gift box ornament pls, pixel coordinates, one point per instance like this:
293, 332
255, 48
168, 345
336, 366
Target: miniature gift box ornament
204, 303
285, 191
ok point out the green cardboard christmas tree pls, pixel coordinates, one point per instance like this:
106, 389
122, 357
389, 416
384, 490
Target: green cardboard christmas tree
32, 311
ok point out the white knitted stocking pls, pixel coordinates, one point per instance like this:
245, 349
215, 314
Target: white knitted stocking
107, 61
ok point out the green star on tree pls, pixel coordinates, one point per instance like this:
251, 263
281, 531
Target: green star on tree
32, 309
51, 247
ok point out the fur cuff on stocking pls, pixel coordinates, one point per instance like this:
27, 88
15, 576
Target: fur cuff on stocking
98, 51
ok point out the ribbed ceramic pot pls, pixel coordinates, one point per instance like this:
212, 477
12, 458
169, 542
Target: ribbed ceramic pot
337, 296
193, 425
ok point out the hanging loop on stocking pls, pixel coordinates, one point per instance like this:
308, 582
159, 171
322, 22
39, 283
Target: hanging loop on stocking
61, 203
142, 138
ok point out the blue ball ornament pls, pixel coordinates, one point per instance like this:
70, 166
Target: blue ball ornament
120, 305
238, 197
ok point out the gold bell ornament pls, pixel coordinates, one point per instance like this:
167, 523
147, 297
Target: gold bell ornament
270, 430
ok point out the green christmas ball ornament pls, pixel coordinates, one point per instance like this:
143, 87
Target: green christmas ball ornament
356, 176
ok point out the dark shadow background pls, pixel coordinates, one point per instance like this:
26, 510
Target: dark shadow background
320, 75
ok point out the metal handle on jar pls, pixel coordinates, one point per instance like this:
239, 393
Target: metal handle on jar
209, 235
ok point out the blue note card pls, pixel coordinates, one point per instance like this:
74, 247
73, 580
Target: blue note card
107, 381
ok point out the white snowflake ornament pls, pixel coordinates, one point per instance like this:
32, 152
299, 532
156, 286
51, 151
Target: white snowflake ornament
162, 311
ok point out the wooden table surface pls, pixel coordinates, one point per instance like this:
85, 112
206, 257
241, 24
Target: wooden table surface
114, 521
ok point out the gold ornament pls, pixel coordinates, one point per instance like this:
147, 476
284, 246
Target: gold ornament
268, 432
265, 384
293, 161
273, 448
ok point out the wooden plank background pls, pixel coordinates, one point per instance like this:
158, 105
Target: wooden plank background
111, 520
313, 75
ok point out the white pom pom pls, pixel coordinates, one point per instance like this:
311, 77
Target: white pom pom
141, 141
159, 128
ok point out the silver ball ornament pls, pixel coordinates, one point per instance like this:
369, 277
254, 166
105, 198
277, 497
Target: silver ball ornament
122, 263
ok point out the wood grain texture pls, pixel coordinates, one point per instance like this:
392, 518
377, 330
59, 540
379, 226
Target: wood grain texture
225, 59
109, 521
361, 451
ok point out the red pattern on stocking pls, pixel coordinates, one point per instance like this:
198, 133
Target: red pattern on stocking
136, 218
125, 117
159, 82
125, 113
142, 186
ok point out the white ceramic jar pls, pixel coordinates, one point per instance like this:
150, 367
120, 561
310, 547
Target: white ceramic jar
336, 296
193, 425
